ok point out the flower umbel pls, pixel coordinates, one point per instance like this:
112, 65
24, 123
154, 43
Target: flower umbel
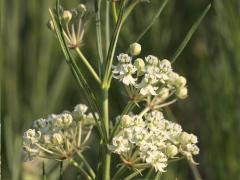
59, 136
154, 139
148, 77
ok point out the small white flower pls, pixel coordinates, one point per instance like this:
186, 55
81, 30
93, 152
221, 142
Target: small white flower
80, 111
165, 66
126, 121
120, 145
124, 58
125, 74
147, 85
46, 138
67, 119
57, 138
152, 60
40, 123
32, 136
81, 108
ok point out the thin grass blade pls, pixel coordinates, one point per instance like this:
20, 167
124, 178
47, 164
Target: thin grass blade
189, 34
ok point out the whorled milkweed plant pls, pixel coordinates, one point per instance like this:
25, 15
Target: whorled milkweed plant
141, 136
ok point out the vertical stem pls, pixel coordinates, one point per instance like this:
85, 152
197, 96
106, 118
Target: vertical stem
107, 154
195, 171
61, 170
107, 27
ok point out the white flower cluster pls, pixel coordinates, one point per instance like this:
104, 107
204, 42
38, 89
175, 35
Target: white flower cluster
150, 76
57, 136
155, 139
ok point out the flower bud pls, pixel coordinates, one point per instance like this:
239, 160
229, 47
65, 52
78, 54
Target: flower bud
82, 8
152, 60
164, 93
67, 119
126, 121
184, 138
135, 49
57, 138
181, 81
182, 93
139, 64
32, 135
171, 151
50, 25
165, 65
67, 16
194, 139
46, 139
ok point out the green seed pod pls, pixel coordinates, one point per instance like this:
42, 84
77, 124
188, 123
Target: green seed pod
135, 49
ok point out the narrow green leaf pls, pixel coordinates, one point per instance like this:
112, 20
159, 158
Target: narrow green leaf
99, 34
189, 34
113, 44
161, 8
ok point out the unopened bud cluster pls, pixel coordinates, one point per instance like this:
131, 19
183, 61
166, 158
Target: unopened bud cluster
149, 76
58, 136
154, 139
73, 25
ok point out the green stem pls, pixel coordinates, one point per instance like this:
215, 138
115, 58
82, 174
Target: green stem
157, 177
61, 170
82, 171
195, 171
121, 170
107, 154
136, 173
165, 104
114, 11
88, 65
90, 170
44, 172
149, 174
144, 111
79, 134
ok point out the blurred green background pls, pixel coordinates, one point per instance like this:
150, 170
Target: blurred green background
35, 80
